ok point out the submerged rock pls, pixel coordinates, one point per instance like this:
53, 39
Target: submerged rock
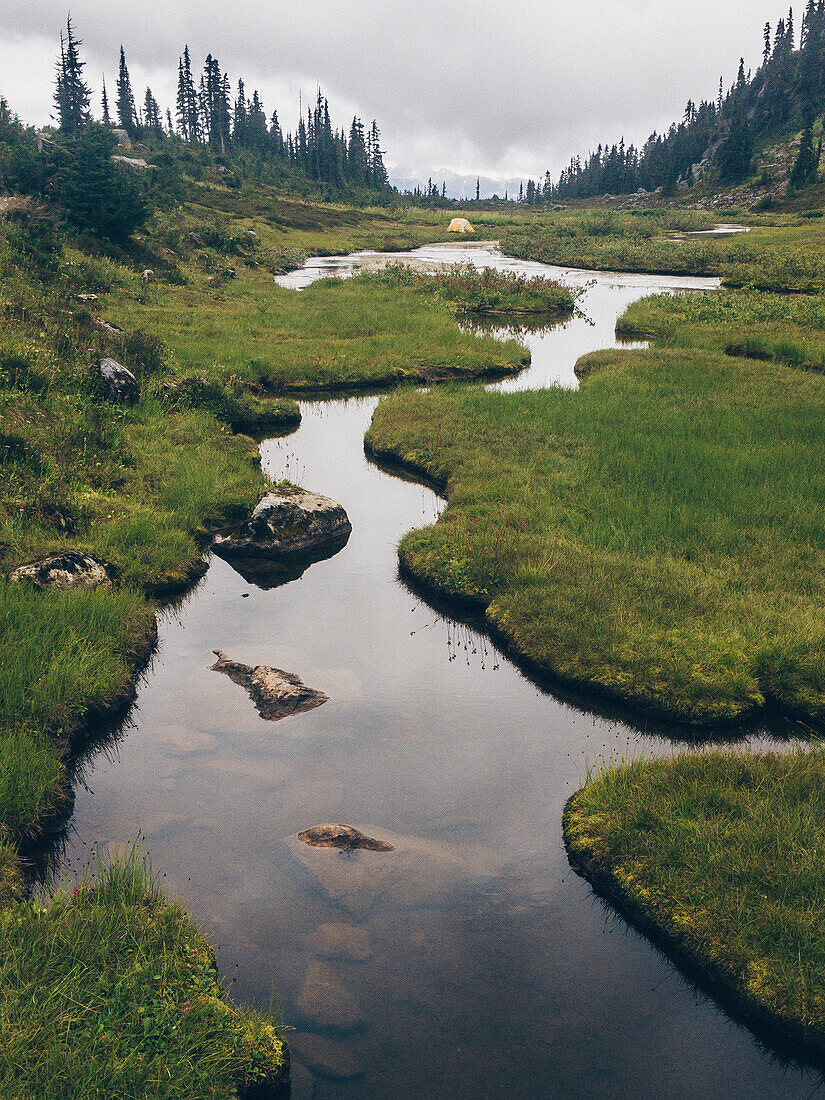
118, 381
326, 1058
275, 693
71, 569
340, 942
342, 836
289, 523
327, 1005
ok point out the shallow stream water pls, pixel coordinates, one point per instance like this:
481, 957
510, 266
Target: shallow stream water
471, 962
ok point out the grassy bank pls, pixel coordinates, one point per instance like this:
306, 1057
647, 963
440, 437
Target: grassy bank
127, 1000
252, 333
139, 487
720, 857
626, 537
788, 256
771, 327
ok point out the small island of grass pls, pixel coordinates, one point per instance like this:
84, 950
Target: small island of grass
720, 857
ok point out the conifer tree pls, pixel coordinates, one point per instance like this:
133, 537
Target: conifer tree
807, 160
736, 152
276, 138
187, 107
72, 93
126, 111
152, 121
239, 129
107, 121
378, 173
357, 154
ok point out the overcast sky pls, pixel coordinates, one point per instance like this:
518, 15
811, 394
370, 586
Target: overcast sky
500, 89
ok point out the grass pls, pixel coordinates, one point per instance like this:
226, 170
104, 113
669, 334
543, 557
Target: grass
748, 323
626, 537
721, 857
788, 256
333, 335
127, 1000
481, 290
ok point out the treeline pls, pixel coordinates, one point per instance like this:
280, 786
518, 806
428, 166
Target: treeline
718, 135
208, 113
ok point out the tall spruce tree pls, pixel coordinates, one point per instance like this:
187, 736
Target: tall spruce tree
239, 128
72, 94
152, 121
107, 119
126, 111
378, 173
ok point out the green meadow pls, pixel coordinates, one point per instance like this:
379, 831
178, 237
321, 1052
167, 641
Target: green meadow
626, 537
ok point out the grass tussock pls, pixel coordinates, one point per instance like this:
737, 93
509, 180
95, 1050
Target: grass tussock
722, 857
481, 290
127, 1000
627, 537
65, 657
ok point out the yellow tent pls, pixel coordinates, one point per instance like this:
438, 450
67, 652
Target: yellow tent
460, 225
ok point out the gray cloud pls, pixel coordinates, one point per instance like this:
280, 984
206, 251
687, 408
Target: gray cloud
484, 87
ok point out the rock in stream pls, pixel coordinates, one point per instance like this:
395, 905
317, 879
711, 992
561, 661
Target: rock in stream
288, 524
342, 836
275, 693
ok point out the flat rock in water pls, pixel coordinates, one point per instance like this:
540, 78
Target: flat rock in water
119, 383
324, 1057
288, 523
326, 1004
345, 837
340, 942
275, 693
71, 569
420, 873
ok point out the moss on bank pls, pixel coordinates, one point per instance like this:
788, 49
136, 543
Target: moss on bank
721, 858
112, 991
626, 537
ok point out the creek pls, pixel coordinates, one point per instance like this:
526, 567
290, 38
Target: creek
471, 962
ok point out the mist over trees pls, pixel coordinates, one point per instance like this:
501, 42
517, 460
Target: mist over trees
717, 135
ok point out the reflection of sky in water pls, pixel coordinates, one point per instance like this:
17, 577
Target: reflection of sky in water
491, 970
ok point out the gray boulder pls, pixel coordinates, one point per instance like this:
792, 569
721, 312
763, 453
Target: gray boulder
289, 523
118, 381
71, 569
